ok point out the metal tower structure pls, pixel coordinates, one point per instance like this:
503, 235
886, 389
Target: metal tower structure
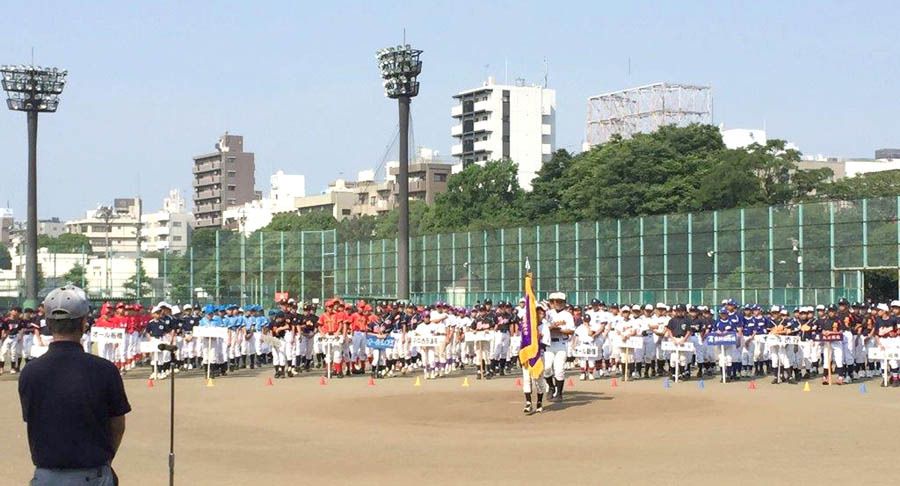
646, 108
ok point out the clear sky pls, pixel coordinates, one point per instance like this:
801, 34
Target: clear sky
153, 83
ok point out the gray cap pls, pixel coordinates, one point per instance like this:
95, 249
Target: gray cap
67, 302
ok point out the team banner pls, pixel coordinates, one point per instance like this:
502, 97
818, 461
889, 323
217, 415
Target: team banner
373, 342
530, 351
721, 339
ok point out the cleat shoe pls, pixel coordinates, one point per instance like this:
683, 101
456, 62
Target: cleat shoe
527, 409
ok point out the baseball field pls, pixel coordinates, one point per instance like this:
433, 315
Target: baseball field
242, 431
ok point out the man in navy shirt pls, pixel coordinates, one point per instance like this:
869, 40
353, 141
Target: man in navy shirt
73, 435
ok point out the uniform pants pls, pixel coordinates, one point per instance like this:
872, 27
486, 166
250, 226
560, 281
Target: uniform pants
649, 351
787, 356
279, 356
160, 357
500, 348
539, 384
837, 353
849, 348
555, 361
86, 342
358, 346
10, 345
682, 357
428, 357
398, 351
699, 349
334, 353
748, 352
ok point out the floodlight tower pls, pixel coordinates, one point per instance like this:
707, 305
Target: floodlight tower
32, 89
399, 67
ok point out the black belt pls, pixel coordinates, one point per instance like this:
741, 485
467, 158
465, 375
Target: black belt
556, 340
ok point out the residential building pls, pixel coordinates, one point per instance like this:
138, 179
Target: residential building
222, 179
848, 167
6, 225
428, 177
52, 227
512, 122
339, 202
119, 227
54, 267
168, 229
255, 215
887, 154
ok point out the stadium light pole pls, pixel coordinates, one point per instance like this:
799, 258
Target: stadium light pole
32, 89
399, 68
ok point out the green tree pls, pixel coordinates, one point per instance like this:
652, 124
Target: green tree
65, 243
312, 221
386, 224
479, 197
131, 285
76, 276
547, 189
871, 185
356, 228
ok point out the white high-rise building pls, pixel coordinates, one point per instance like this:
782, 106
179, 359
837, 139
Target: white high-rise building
498, 121
255, 215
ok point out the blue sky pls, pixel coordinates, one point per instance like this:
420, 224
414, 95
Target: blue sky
153, 83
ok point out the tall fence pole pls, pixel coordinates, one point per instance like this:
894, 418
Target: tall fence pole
218, 282
243, 270
771, 258
191, 271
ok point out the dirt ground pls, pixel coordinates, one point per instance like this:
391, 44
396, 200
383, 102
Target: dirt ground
346, 432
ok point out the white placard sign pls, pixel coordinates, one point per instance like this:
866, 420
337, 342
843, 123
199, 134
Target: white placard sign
211, 332
480, 336
332, 339
586, 351
684, 348
426, 341
761, 338
633, 342
151, 346
107, 334
777, 340
877, 354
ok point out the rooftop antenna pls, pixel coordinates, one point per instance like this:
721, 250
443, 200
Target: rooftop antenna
546, 71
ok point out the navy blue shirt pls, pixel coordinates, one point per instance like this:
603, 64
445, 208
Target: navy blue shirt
158, 328
68, 397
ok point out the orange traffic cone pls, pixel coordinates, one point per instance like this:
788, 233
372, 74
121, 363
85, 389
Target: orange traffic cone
465, 382
519, 382
149, 383
210, 383
269, 382
752, 385
570, 383
371, 381
614, 383
322, 381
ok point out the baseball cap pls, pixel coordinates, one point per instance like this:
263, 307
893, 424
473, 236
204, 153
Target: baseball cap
68, 302
557, 296
882, 307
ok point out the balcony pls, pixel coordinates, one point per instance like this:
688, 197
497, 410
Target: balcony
483, 106
209, 222
207, 180
207, 166
207, 208
456, 111
207, 194
546, 129
456, 130
482, 126
456, 149
483, 145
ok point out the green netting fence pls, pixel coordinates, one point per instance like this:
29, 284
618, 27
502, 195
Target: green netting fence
804, 253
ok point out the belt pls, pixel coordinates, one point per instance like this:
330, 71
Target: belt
557, 340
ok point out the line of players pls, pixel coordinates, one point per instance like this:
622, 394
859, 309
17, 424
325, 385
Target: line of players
856, 328
287, 339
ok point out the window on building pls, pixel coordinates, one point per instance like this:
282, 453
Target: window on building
176, 224
345, 212
232, 201
362, 198
232, 187
176, 238
440, 177
232, 173
230, 160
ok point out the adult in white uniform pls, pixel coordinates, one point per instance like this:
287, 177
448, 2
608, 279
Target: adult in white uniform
561, 326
